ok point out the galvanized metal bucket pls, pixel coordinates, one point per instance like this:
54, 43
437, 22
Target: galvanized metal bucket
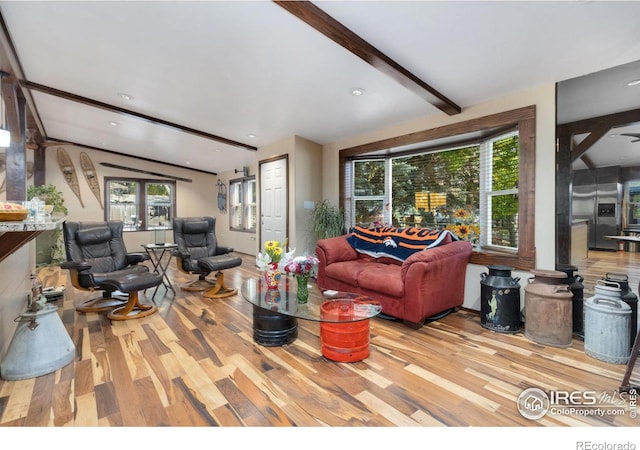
607, 325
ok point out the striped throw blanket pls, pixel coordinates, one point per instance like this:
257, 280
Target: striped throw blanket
396, 243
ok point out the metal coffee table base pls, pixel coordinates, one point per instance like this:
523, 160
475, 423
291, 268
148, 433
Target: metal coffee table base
271, 329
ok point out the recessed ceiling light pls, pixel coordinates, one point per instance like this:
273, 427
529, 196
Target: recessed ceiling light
251, 135
357, 91
124, 96
113, 124
633, 83
188, 163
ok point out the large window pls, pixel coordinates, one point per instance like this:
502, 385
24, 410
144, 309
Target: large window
474, 177
499, 190
369, 191
436, 189
242, 204
470, 190
140, 204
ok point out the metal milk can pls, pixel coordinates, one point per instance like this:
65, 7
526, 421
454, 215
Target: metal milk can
548, 309
500, 300
577, 289
629, 298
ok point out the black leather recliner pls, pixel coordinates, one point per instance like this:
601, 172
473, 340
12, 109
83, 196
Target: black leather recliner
198, 252
97, 259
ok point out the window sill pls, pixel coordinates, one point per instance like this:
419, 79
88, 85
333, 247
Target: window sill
241, 230
130, 229
485, 257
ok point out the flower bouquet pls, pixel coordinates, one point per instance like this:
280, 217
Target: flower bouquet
302, 267
272, 262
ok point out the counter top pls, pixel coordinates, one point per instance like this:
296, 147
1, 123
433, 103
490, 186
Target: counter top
14, 235
26, 225
624, 238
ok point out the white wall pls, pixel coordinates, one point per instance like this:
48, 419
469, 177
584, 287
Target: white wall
307, 187
543, 97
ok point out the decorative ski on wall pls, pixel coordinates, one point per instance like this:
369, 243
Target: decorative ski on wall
91, 175
69, 172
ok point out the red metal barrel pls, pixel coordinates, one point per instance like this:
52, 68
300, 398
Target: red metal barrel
343, 341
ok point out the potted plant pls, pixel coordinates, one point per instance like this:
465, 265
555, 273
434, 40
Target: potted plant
327, 220
49, 244
50, 195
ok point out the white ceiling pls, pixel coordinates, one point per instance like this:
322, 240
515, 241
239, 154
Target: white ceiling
240, 68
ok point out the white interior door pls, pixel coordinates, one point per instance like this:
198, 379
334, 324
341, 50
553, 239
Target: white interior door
273, 200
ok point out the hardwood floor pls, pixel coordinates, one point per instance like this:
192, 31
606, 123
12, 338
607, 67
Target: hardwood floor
599, 263
194, 364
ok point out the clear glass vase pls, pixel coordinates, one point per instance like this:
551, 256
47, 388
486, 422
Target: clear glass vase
303, 288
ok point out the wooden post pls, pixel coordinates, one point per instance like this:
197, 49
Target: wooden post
16, 175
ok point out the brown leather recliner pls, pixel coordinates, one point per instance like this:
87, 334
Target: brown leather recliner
97, 259
198, 253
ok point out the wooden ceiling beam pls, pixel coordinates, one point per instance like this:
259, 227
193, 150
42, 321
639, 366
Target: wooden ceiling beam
609, 120
337, 32
584, 157
62, 143
588, 162
586, 144
14, 68
105, 106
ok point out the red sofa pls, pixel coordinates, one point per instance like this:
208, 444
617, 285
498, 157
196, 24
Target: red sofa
427, 283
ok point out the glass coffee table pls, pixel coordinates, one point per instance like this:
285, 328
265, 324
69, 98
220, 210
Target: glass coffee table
343, 316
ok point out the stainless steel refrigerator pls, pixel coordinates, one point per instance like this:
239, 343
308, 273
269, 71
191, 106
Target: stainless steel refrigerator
597, 198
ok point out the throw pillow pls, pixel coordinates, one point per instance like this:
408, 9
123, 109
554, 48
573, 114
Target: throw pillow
397, 243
